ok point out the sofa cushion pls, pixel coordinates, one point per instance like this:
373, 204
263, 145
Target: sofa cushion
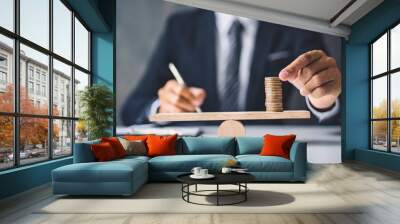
207, 145
112, 171
133, 158
257, 163
185, 163
249, 145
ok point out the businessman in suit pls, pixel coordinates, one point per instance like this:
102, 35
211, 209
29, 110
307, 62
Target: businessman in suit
224, 59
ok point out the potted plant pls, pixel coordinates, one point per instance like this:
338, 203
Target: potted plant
96, 103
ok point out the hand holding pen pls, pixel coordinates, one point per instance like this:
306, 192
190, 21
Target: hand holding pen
176, 97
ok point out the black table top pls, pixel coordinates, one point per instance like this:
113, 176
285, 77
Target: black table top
220, 178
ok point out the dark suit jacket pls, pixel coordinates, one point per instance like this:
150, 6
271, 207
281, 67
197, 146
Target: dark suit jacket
188, 41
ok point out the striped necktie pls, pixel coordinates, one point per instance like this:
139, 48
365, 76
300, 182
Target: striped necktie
230, 96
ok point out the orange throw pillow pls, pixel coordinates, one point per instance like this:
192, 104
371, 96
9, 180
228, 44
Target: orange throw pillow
136, 137
103, 151
116, 145
277, 145
161, 145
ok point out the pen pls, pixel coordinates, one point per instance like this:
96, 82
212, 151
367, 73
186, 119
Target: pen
179, 79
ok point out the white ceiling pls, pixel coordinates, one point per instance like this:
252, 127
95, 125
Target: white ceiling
325, 16
321, 9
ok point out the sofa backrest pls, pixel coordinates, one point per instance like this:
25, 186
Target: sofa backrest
83, 152
206, 145
249, 145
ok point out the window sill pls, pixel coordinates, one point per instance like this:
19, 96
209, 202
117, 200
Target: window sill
382, 159
30, 166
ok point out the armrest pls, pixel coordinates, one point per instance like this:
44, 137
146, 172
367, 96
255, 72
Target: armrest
298, 155
83, 152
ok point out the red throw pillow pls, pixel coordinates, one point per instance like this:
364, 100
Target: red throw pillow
161, 145
277, 145
103, 151
116, 145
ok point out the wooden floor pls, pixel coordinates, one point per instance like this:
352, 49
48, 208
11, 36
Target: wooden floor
351, 181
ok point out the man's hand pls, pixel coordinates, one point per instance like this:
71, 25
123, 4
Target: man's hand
316, 76
175, 98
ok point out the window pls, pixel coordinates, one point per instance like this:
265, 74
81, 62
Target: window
38, 74
385, 94
62, 137
62, 31
81, 45
7, 73
3, 72
44, 91
6, 142
7, 14
3, 61
30, 72
44, 124
30, 87
37, 89
34, 21
81, 81
3, 78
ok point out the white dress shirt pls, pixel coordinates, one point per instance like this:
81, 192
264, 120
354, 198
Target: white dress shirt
223, 49
223, 24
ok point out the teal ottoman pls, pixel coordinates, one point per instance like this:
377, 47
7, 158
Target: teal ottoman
118, 177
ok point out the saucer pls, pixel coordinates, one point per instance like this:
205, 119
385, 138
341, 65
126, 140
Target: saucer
208, 176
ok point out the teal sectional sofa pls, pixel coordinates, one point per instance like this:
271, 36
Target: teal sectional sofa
125, 176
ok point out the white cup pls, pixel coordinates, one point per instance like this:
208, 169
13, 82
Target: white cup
226, 170
203, 172
196, 171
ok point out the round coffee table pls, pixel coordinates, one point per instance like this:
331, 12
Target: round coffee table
238, 179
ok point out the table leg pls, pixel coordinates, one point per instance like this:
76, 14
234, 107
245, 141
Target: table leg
182, 188
245, 191
195, 188
217, 194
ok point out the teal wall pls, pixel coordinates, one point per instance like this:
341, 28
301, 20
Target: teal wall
356, 83
24, 178
99, 15
103, 52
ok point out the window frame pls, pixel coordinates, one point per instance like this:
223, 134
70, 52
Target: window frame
16, 115
388, 74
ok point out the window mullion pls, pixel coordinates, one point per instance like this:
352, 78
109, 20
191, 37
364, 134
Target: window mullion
73, 82
50, 81
16, 84
371, 140
389, 101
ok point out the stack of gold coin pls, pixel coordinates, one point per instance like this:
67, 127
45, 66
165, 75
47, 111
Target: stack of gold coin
273, 94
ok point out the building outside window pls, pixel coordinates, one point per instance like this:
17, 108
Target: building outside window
30, 87
38, 75
57, 128
3, 78
38, 89
3, 61
44, 77
43, 90
3, 72
30, 72
385, 93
